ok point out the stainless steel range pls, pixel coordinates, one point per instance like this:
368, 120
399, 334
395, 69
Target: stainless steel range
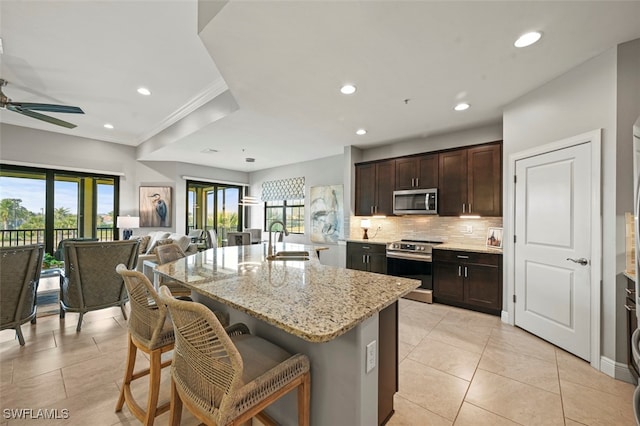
412, 259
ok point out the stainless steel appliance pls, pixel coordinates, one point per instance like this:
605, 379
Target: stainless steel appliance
412, 259
415, 201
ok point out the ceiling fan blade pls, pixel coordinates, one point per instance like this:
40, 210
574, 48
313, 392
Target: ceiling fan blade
42, 117
47, 107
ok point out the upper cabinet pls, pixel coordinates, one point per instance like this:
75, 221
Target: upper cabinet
374, 188
419, 172
470, 181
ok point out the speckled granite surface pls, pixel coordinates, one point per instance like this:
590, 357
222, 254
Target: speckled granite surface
468, 247
305, 298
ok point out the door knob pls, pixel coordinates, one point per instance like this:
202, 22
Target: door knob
582, 261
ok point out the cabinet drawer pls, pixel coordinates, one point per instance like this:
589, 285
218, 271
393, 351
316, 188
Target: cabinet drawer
367, 247
467, 257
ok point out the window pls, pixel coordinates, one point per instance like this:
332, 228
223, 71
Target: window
291, 212
46, 206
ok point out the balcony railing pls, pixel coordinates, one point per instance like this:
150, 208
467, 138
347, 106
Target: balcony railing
21, 237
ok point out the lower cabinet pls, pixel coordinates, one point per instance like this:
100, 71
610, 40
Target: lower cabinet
367, 257
468, 279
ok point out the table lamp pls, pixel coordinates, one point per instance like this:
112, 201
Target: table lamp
365, 224
127, 224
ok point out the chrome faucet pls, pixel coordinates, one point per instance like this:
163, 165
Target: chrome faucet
271, 250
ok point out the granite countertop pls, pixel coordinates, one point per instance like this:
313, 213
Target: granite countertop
304, 298
477, 248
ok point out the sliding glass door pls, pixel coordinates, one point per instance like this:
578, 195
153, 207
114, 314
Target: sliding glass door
214, 206
47, 206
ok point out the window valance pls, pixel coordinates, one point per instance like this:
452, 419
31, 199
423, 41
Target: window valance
283, 189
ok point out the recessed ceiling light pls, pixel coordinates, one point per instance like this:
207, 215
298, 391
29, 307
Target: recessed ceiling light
461, 106
144, 91
361, 132
348, 89
108, 126
527, 39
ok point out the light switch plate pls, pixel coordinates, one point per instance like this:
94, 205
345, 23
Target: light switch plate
467, 229
372, 352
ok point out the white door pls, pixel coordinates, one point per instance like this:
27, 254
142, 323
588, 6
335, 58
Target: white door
553, 246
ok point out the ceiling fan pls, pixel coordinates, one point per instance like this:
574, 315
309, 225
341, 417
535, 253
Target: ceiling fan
28, 109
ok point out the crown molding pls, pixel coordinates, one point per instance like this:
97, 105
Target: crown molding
210, 92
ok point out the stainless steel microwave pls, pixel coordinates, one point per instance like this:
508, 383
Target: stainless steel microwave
415, 201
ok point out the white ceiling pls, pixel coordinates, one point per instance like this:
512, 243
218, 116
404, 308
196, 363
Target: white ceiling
284, 63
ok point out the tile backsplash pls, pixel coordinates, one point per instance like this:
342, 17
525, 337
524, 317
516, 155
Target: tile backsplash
448, 229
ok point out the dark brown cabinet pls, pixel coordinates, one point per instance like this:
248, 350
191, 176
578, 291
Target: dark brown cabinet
470, 181
375, 183
419, 172
468, 279
367, 257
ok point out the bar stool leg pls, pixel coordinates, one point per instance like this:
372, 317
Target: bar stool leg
155, 373
128, 374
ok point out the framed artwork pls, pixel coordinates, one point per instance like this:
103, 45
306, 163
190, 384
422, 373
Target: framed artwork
327, 214
155, 206
494, 238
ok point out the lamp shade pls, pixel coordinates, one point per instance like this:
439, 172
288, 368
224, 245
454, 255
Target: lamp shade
365, 223
128, 222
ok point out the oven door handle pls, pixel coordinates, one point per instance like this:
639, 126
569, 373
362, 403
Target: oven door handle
409, 256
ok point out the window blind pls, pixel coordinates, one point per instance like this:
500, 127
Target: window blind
283, 189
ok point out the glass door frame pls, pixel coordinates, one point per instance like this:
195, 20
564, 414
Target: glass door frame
49, 218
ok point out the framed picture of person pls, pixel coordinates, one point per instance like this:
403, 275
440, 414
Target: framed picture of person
494, 238
155, 206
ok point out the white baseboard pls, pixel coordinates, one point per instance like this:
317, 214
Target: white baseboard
504, 316
617, 370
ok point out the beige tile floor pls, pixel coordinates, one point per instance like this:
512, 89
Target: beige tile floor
456, 367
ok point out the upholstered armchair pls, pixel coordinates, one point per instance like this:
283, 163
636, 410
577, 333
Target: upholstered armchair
90, 281
19, 274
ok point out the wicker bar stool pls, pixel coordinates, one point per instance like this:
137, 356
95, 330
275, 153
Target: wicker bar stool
151, 331
227, 376
168, 253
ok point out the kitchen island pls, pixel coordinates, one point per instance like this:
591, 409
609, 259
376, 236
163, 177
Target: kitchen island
330, 314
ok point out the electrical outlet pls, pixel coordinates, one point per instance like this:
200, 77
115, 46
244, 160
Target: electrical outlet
372, 353
467, 229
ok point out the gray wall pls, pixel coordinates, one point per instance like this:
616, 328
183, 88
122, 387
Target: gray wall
324, 171
585, 99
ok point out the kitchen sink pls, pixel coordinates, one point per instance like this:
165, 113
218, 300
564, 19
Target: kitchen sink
290, 255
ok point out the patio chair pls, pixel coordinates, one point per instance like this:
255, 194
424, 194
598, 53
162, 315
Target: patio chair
59, 253
151, 331
227, 376
90, 280
19, 274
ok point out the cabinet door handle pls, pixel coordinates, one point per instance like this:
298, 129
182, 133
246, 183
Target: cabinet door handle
469, 207
462, 257
465, 272
630, 308
630, 291
368, 259
459, 270
417, 182
366, 247
371, 209
463, 208
364, 259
